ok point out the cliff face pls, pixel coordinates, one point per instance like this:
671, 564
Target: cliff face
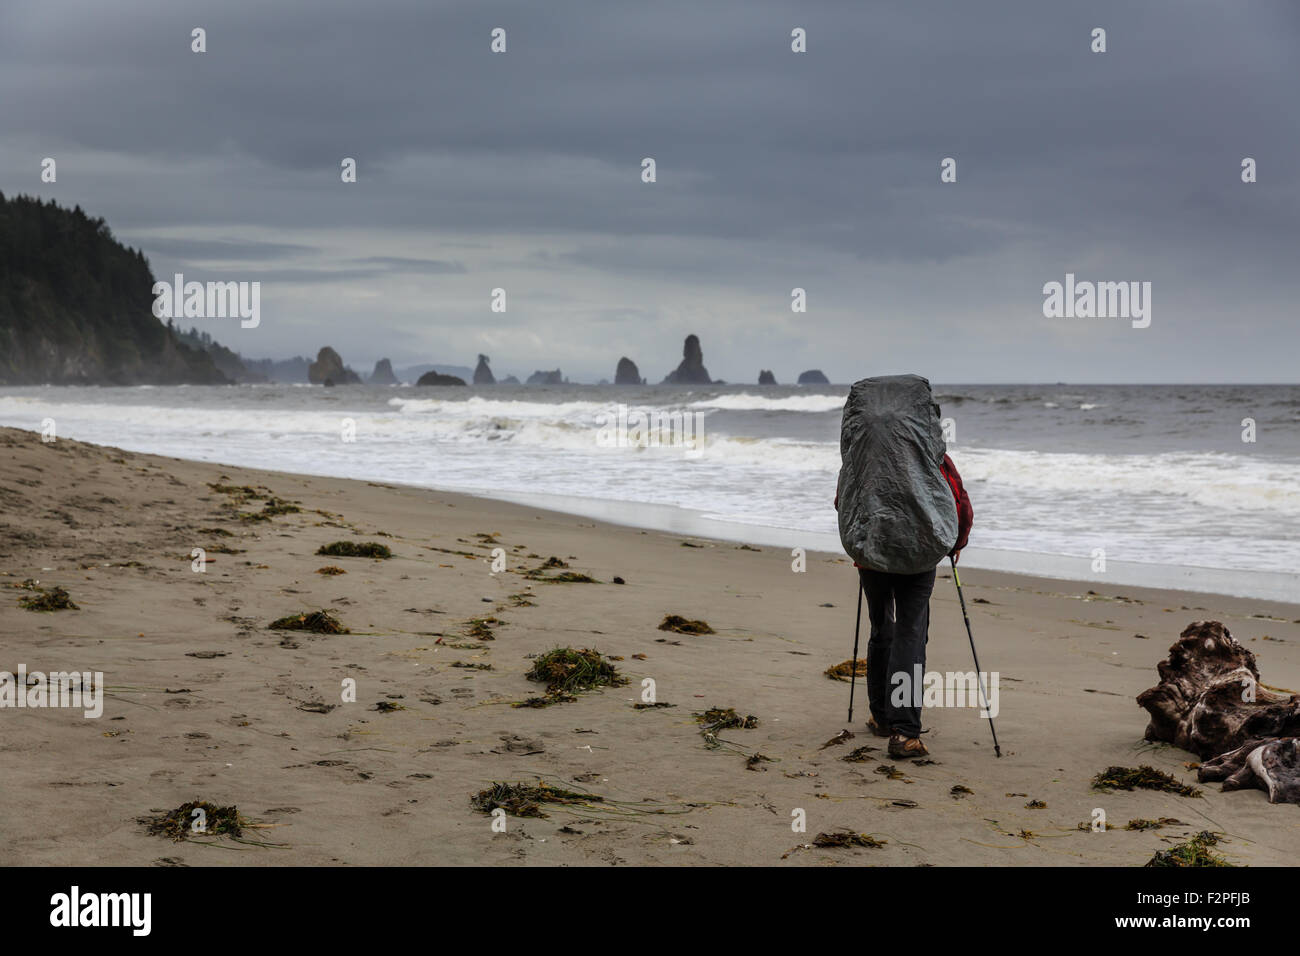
692, 370
76, 306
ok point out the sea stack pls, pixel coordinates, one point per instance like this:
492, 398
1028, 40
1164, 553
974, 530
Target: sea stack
692, 370
328, 369
383, 374
627, 373
483, 374
541, 377
437, 378
765, 377
813, 377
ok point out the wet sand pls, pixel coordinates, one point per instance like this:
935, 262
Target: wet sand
204, 701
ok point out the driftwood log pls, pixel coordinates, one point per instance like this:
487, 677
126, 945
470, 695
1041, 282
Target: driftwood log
1210, 701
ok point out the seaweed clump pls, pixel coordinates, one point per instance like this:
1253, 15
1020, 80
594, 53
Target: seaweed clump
566, 671
525, 799
547, 701
480, 628
842, 838
353, 549
846, 669
330, 569
318, 622
721, 718
236, 491
563, 577
843, 736
724, 718
1141, 778
1193, 852
272, 507
52, 599
1140, 824
179, 824
680, 625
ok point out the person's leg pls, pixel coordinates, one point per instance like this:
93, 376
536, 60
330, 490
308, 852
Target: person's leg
880, 611
907, 650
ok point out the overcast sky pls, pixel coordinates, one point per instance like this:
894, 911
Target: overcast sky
776, 169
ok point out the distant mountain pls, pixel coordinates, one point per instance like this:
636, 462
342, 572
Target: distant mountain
76, 306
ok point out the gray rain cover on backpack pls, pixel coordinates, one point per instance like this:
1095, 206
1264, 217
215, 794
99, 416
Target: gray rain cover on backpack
897, 512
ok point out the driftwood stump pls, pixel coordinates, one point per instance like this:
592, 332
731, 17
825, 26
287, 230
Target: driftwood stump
1271, 765
1209, 701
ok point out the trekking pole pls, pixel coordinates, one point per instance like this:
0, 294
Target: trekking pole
853, 664
979, 674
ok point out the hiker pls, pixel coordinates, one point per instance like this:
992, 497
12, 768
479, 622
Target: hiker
905, 510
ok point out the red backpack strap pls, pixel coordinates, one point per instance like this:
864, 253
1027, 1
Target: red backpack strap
965, 513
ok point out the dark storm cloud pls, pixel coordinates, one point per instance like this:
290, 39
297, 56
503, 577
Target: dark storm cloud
774, 169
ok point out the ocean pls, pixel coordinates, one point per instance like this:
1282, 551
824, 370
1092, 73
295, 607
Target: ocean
1157, 478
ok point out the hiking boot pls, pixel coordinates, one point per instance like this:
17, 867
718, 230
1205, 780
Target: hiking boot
901, 747
876, 728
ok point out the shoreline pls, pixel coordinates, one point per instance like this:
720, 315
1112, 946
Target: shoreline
676, 518
205, 701
1226, 582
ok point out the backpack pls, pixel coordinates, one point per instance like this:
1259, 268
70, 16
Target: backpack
897, 512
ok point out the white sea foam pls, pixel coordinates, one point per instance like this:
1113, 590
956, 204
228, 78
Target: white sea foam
1213, 509
762, 403
1214, 480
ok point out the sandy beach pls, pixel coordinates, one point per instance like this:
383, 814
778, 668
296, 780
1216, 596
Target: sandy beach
203, 700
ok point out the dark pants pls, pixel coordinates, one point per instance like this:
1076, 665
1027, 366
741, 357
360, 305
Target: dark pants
899, 608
